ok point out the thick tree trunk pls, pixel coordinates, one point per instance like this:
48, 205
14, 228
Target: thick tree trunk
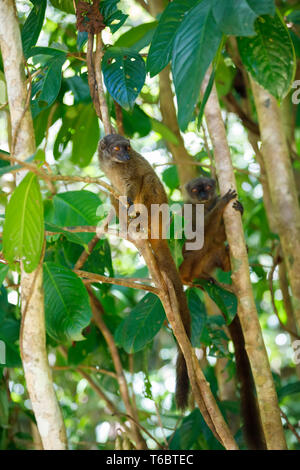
282, 186
266, 393
33, 340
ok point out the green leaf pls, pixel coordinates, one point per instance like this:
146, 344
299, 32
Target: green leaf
100, 261
236, 17
192, 428
170, 177
86, 136
72, 237
10, 330
141, 325
23, 232
138, 37
67, 307
198, 315
205, 97
224, 77
225, 300
164, 131
289, 389
47, 87
80, 88
269, 56
33, 25
47, 51
82, 37
64, 5
196, 43
124, 75
136, 122
74, 208
160, 51
113, 17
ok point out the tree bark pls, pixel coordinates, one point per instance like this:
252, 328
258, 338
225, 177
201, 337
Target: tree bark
281, 185
266, 393
33, 340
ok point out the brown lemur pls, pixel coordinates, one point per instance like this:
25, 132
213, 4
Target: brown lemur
132, 176
200, 264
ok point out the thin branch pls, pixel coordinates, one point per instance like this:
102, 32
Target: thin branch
91, 278
101, 95
97, 311
290, 426
92, 368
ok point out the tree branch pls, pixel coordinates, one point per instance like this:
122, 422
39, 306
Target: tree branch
266, 393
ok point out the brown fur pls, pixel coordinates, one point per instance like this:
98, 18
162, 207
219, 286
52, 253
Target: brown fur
200, 264
132, 176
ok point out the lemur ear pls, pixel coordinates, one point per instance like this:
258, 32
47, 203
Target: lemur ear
102, 144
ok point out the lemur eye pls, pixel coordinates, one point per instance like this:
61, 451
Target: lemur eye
208, 187
194, 190
128, 147
117, 148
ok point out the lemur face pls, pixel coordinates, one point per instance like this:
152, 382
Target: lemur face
115, 147
201, 189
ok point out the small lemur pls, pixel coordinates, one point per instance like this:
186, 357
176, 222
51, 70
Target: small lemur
214, 253
132, 176
200, 264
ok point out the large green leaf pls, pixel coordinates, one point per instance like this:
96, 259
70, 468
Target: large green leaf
75, 208
170, 177
237, 17
225, 300
67, 307
46, 88
196, 43
141, 325
269, 56
23, 232
164, 131
160, 52
33, 25
86, 136
124, 74
137, 37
